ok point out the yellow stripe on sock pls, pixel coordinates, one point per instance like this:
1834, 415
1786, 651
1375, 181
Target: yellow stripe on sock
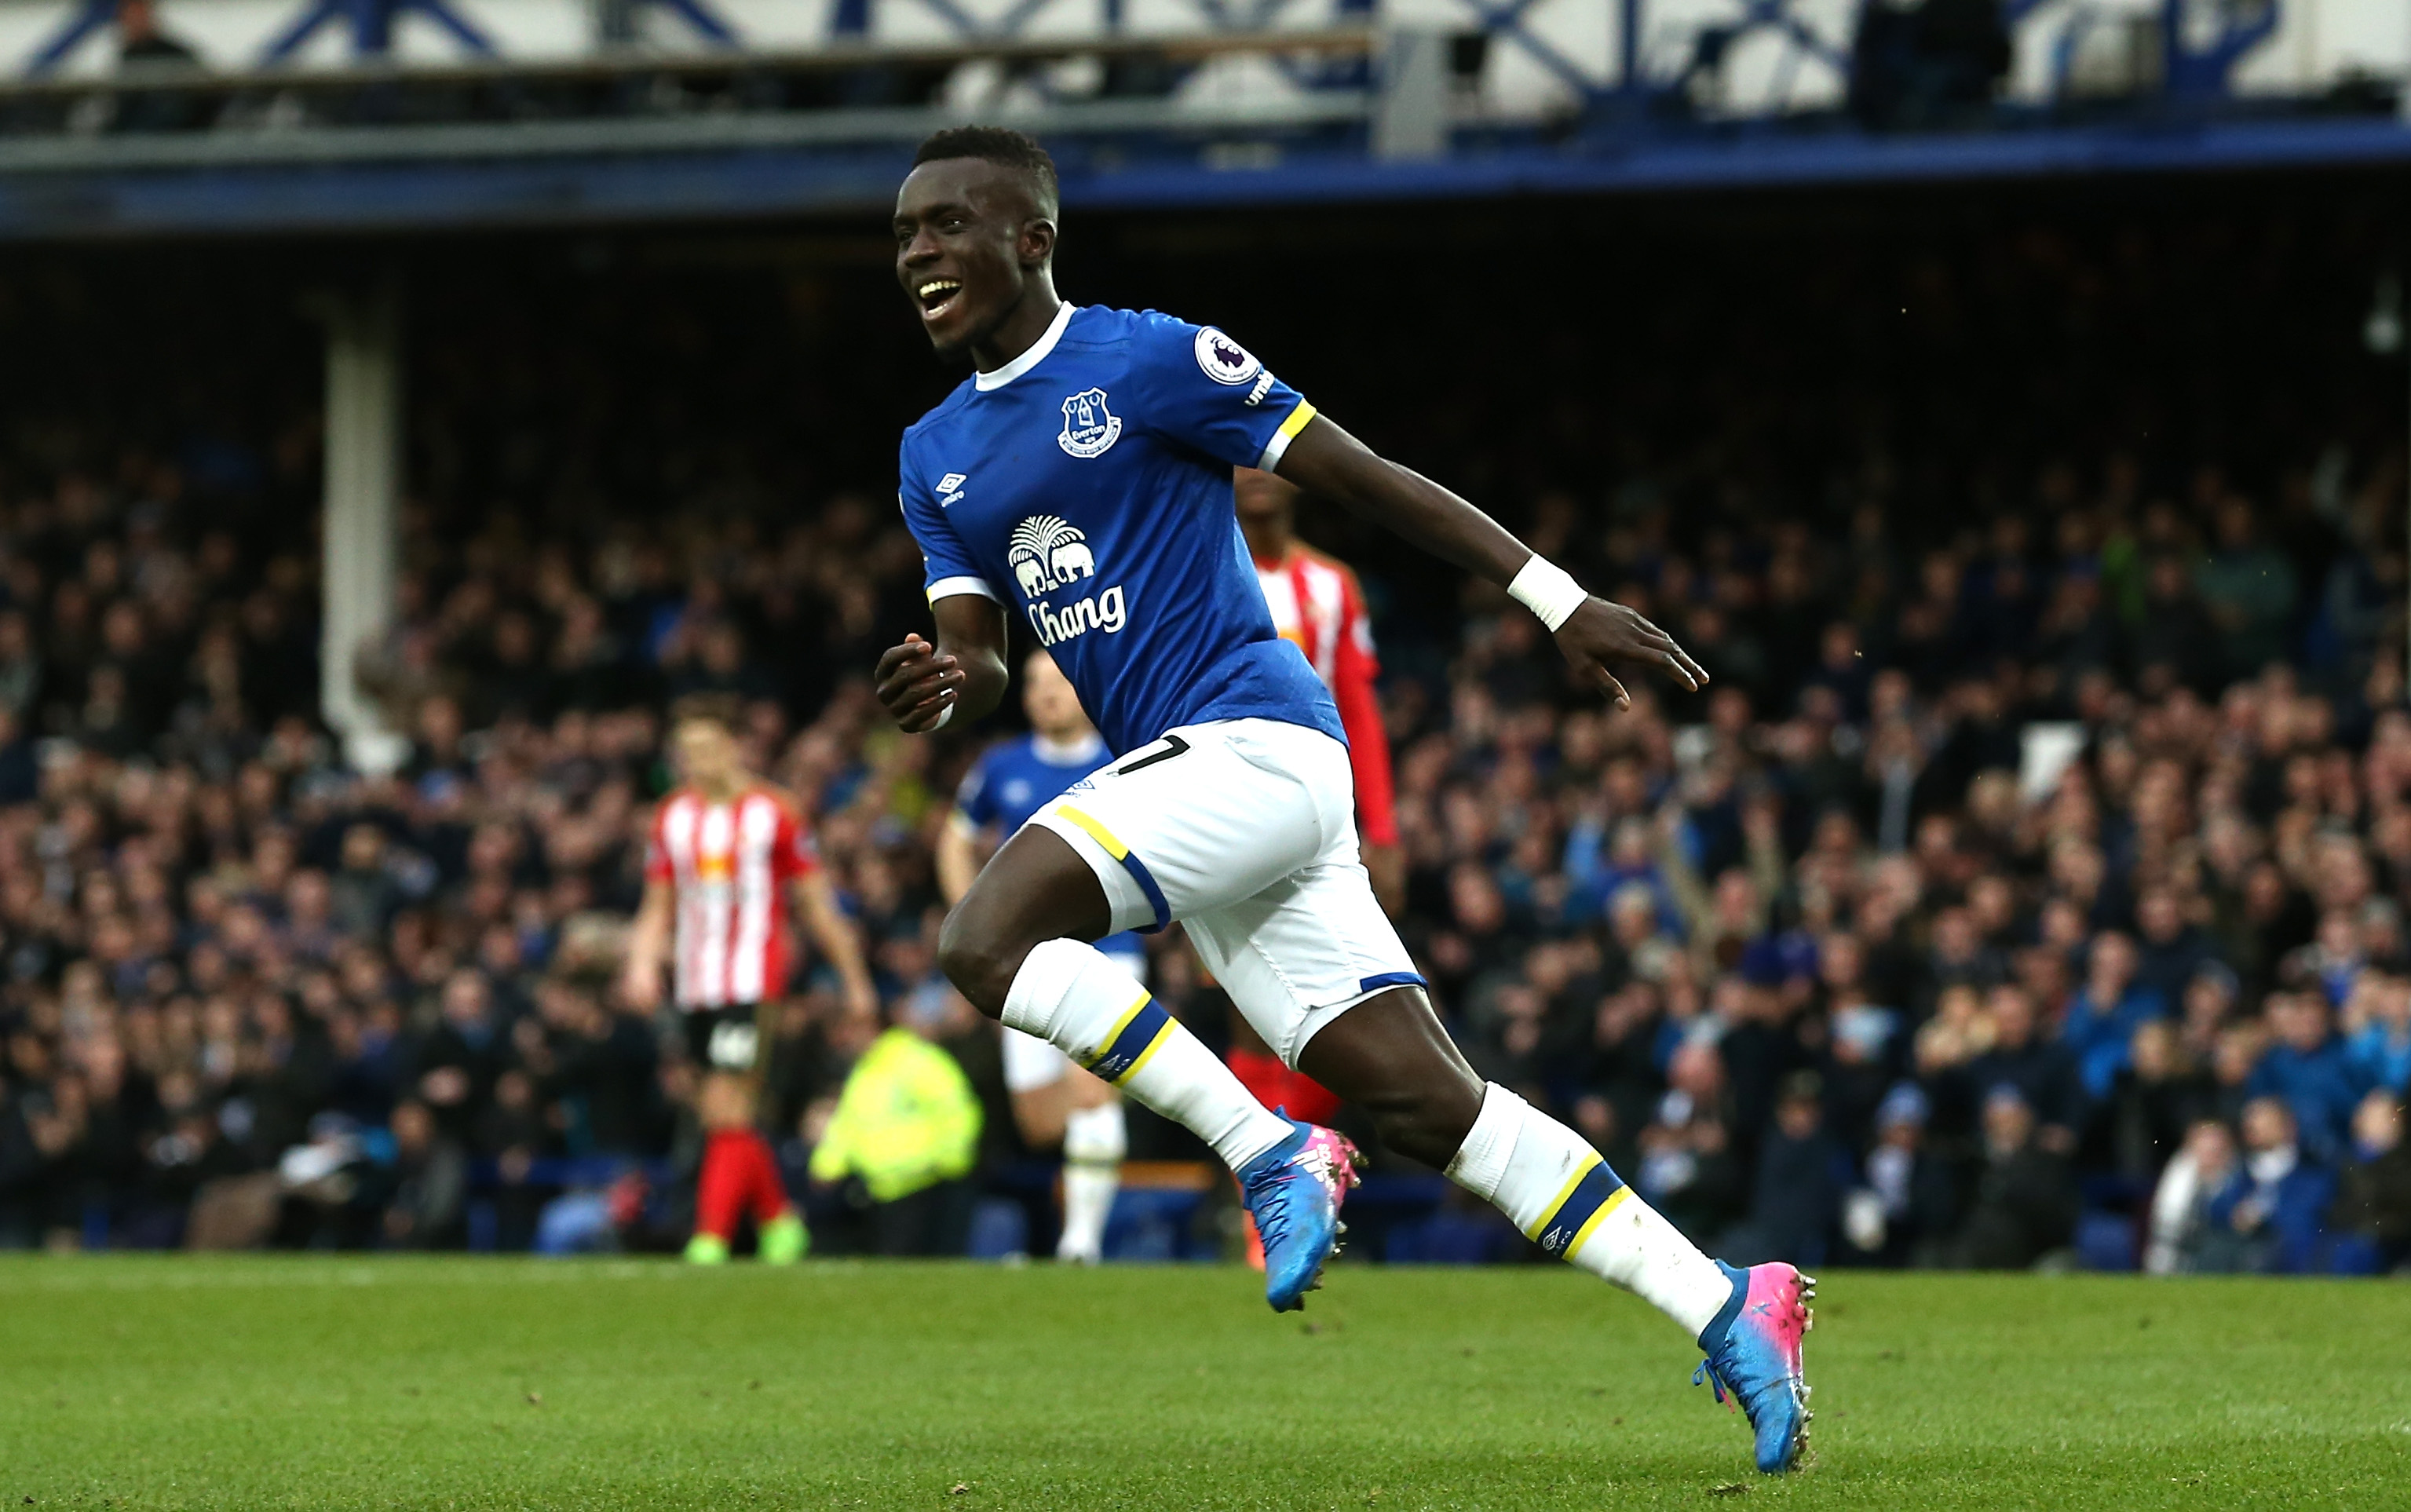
1534, 1232
1296, 421
1153, 1045
1097, 832
1614, 1199
1115, 1033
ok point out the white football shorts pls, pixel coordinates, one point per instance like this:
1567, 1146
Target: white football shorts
1031, 1063
1245, 831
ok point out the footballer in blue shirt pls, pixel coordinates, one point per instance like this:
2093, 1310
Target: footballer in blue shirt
1079, 482
1054, 1102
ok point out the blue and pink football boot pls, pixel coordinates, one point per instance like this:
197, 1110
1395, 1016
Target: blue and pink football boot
1293, 1190
1753, 1349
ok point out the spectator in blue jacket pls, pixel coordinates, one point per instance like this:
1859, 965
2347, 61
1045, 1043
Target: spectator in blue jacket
2334, 957
2170, 947
1600, 861
2277, 1200
2307, 1067
2104, 1014
2380, 1049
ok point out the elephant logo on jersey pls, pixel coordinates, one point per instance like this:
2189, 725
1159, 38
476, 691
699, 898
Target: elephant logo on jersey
1225, 360
1046, 553
1089, 426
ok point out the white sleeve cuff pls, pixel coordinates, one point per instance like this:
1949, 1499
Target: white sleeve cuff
948, 588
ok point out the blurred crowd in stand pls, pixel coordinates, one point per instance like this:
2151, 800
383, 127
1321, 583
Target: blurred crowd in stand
2028, 887
2038, 894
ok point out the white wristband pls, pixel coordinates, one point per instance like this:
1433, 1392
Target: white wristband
1548, 591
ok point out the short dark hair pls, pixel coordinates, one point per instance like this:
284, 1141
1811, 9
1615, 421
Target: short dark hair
723, 709
1005, 147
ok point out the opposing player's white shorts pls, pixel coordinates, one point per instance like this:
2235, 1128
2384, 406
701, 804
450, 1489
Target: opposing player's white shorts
1245, 831
1031, 1063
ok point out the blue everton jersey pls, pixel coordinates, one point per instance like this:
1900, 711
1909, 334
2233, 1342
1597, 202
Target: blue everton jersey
1086, 486
1014, 778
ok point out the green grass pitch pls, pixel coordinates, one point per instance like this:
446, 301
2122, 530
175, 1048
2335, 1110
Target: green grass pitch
330, 1382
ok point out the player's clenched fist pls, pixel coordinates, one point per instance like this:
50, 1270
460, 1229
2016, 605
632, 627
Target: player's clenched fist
917, 686
1600, 631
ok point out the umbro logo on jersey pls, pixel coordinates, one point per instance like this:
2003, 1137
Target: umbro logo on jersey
950, 489
1089, 426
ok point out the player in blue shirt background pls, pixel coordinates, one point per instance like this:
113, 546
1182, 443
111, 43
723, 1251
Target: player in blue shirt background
1054, 1101
1080, 482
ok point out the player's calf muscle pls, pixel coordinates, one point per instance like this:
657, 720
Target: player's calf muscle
1426, 1124
1390, 1057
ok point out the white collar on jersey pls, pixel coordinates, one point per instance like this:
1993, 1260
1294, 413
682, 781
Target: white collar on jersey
1037, 355
1086, 748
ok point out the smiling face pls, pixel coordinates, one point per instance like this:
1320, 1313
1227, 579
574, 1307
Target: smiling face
971, 244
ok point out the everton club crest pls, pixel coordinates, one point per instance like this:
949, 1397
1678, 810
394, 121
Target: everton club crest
1089, 426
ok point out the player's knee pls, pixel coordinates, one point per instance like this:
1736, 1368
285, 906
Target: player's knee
979, 961
724, 1101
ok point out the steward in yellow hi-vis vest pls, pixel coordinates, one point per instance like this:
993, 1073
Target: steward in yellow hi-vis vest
907, 1120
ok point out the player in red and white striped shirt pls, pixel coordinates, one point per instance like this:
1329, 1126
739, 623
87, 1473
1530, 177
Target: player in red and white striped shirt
1316, 602
726, 852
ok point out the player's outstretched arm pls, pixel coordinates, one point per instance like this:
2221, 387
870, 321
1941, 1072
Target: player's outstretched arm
1590, 631
961, 677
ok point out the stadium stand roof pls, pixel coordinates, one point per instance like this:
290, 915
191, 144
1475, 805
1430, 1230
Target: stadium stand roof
710, 115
